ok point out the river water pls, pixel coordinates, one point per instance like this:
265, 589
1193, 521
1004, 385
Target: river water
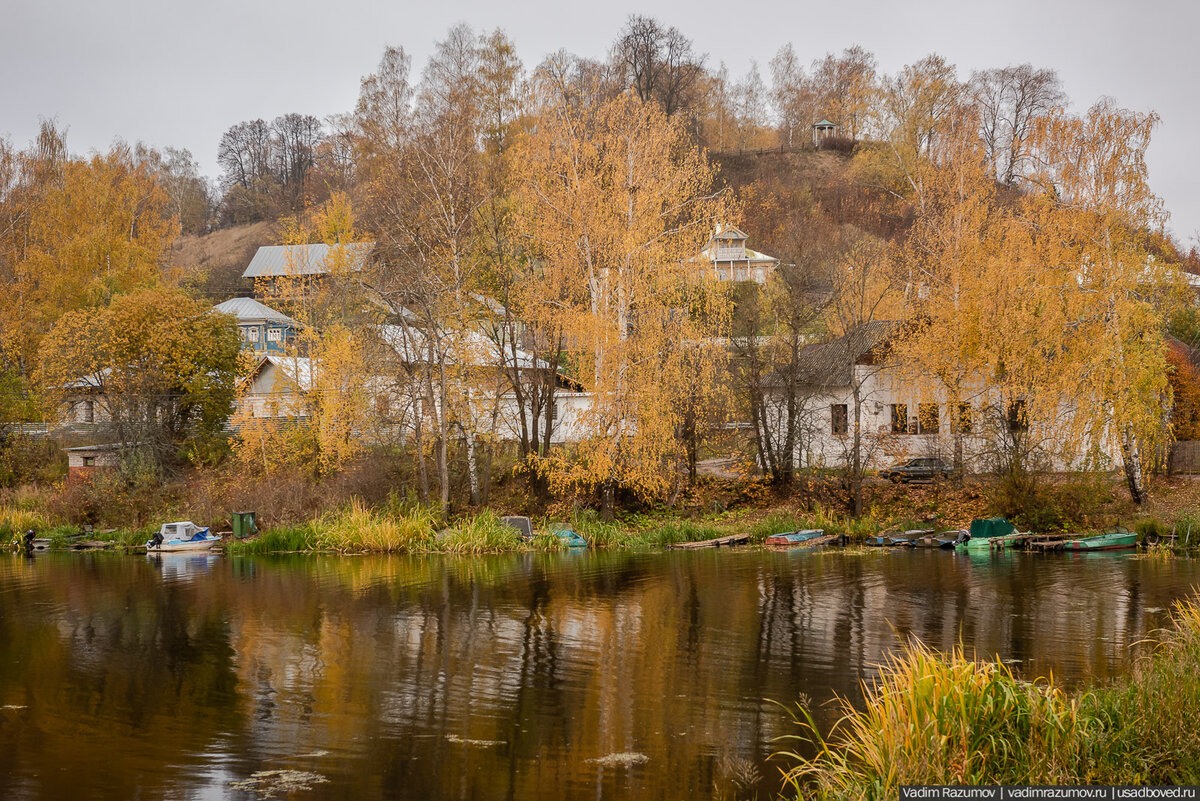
598, 675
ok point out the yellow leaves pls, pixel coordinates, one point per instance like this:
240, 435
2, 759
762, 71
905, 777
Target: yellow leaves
619, 202
101, 229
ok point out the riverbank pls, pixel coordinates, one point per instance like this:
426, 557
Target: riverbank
715, 508
947, 720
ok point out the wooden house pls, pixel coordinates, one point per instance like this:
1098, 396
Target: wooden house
85, 460
262, 329
730, 260
275, 264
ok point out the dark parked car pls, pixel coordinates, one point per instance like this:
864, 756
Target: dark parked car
921, 469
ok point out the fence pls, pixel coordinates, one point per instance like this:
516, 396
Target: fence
1185, 457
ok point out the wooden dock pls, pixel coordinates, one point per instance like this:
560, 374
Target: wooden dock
815, 542
1047, 544
732, 539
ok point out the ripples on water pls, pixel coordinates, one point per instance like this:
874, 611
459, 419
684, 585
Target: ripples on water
531, 676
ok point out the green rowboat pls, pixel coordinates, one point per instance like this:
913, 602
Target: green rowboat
1118, 539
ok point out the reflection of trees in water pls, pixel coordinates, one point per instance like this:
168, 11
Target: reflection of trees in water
502, 677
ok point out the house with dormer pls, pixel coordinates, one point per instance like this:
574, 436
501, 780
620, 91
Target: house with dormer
730, 259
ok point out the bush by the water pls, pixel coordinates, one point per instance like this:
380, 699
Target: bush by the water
946, 719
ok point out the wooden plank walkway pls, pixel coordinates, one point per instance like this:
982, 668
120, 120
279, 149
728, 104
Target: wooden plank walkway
732, 539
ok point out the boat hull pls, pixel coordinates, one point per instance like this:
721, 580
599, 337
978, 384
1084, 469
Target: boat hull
1123, 542
184, 546
793, 537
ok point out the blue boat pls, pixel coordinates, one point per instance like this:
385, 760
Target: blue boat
570, 539
795, 537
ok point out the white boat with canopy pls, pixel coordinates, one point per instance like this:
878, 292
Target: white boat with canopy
181, 536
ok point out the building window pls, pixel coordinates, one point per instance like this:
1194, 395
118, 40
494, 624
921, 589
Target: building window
251, 334
899, 418
89, 411
961, 422
839, 421
722, 275
1018, 417
274, 334
927, 418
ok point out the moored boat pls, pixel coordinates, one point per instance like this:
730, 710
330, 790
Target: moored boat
948, 539
570, 538
798, 537
181, 536
983, 531
1116, 539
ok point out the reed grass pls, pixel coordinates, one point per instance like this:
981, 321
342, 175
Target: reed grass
483, 533
821, 518
275, 540
675, 532
15, 521
946, 719
360, 529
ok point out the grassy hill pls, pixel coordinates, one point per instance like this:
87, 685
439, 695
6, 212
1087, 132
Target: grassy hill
213, 263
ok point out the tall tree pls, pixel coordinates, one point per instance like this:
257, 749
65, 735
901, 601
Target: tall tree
90, 230
166, 389
618, 202
844, 89
1009, 102
658, 63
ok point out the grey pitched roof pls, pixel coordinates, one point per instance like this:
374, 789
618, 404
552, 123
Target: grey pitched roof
250, 310
284, 260
830, 364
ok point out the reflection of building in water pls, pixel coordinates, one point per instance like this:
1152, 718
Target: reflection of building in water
504, 676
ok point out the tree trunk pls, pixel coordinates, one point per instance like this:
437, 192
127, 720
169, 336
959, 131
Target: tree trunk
1132, 458
419, 441
856, 471
472, 467
608, 492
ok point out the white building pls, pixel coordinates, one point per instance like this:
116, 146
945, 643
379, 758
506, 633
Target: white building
900, 417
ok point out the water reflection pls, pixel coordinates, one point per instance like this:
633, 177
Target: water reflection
614, 675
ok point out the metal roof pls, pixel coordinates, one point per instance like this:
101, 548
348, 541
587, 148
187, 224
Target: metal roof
825, 124
831, 364
283, 260
250, 310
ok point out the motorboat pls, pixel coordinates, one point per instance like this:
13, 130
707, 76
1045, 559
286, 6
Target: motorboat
183, 535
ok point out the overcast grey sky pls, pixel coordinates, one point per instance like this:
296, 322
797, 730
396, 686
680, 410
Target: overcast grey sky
176, 73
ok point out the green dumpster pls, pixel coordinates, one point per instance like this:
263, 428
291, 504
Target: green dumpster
243, 524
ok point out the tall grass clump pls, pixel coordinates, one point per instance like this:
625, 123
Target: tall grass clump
359, 529
483, 533
275, 540
672, 533
933, 719
598, 533
1146, 724
774, 523
945, 719
15, 521
819, 518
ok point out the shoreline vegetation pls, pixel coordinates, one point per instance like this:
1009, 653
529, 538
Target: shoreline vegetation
403, 527
944, 719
